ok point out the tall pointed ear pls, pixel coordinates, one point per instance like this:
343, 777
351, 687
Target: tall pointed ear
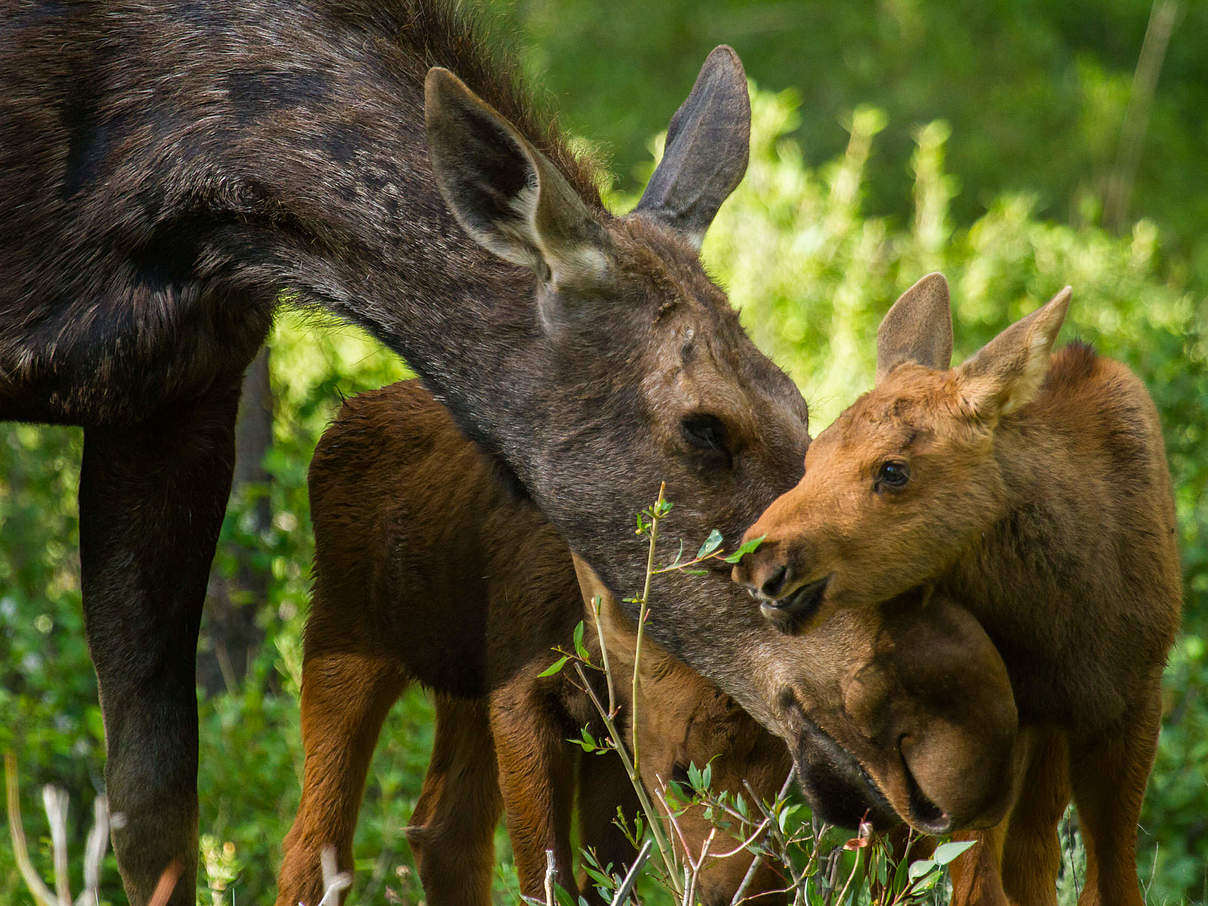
708, 143
917, 328
1007, 373
504, 192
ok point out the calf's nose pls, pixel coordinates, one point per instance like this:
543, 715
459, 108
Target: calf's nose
762, 573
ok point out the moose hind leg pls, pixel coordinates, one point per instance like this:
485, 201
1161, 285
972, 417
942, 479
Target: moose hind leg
1109, 784
452, 832
152, 499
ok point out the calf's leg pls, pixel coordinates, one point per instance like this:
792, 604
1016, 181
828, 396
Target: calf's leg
1109, 778
452, 832
536, 777
152, 499
1032, 852
346, 694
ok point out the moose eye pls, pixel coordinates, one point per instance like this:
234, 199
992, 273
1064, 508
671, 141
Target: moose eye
706, 433
892, 474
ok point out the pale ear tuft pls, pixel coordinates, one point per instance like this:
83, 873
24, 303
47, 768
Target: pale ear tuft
505, 193
917, 328
1008, 372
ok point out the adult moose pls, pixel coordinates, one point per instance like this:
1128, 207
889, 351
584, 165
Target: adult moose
428, 569
1033, 487
169, 169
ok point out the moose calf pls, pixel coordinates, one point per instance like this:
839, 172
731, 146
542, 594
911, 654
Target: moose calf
428, 568
1033, 488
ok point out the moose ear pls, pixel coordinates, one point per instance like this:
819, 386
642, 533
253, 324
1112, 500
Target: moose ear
917, 328
504, 192
1007, 373
708, 143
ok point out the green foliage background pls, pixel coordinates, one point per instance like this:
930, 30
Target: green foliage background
995, 126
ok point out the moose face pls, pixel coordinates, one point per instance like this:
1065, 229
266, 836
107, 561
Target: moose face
907, 478
626, 368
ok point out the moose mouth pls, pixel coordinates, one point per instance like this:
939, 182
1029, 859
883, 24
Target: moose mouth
841, 791
790, 612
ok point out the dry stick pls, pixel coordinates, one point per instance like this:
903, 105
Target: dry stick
54, 801
550, 871
1162, 17
40, 892
631, 877
94, 853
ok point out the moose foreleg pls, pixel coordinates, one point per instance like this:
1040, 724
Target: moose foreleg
1109, 784
152, 499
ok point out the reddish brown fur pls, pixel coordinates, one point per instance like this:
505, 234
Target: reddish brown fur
1038, 496
429, 570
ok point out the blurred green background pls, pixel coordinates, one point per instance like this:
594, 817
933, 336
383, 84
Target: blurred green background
1016, 145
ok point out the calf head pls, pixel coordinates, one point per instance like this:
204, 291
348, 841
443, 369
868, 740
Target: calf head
907, 478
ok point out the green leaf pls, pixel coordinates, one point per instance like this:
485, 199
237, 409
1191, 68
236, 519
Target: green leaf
555, 667
580, 648
744, 549
712, 543
695, 572
946, 852
920, 868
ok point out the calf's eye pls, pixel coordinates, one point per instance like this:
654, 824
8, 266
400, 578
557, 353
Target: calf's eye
892, 474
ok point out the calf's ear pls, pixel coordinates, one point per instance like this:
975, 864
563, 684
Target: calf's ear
1007, 373
708, 144
917, 328
505, 193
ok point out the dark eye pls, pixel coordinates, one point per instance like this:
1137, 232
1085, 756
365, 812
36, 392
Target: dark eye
706, 433
892, 474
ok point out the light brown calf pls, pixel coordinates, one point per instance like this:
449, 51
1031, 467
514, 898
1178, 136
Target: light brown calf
1032, 487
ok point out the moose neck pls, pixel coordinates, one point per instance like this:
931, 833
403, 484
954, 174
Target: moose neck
325, 189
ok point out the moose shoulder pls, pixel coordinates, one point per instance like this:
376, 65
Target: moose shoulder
1032, 487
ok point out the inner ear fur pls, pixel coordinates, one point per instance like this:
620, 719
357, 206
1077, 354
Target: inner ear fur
917, 328
504, 192
1006, 374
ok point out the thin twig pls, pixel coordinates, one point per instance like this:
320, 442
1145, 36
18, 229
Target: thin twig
40, 892
551, 869
666, 851
643, 609
596, 603
631, 876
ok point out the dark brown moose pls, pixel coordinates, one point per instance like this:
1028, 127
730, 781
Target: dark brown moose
1032, 487
429, 569
171, 170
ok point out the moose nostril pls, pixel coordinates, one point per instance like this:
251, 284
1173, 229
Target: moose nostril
772, 586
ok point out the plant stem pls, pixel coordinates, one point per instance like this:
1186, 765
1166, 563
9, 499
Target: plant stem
643, 609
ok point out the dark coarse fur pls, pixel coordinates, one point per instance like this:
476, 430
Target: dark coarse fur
170, 169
